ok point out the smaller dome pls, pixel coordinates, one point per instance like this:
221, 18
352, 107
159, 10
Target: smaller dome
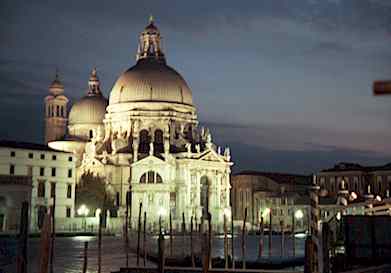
88, 110
91, 108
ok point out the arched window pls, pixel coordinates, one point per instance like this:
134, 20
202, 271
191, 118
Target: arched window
158, 143
62, 111
58, 111
144, 142
151, 177
158, 178
189, 133
143, 178
91, 134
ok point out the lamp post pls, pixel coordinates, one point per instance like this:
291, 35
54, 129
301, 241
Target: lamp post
268, 212
83, 211
298, 215
161, 212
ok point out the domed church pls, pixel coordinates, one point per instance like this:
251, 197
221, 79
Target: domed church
144, 139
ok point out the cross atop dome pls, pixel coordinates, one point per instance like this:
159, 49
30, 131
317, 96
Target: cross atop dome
149, 46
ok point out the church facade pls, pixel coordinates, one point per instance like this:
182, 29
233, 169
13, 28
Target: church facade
144, 139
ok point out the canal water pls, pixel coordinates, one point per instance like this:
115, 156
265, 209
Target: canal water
69, 251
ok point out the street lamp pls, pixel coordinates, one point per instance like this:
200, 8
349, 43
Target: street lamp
83, 211
299, 216
266, 212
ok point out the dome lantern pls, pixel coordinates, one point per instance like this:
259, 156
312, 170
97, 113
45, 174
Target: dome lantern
150, 43
93, 83
56, 87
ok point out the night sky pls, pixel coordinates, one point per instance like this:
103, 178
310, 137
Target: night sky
286, 84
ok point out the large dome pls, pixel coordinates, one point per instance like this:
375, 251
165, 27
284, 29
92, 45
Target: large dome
90, 109
151, 80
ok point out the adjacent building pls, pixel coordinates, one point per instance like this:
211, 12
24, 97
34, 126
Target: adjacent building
37, 174
362, 180
266, 193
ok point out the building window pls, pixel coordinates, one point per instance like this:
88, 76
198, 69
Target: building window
58, 111
54, 157
52, 189
62, 111
144, 140
68, 212
12, 169
143, 178
91, 134
70, 158
70, 173
159, 178
69, 191
117, 197
31, 155
53, 171
42, 171
42, 156
12, 153
30, 170
151, 177
41, 189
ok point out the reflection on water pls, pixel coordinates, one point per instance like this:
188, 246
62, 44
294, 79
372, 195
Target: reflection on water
69, 251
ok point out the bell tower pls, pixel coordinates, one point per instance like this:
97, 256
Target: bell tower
56, 116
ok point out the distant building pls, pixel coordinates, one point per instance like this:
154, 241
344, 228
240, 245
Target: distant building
35, 173
363, 180
263, 193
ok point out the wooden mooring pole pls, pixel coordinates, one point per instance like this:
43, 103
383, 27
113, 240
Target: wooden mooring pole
100, 241
161, 248
85, 257
232, 241
171, 235
282, 238
293, 235
45, 244
191, 243
145, 240
244, 240
183, 234
210, 239
260, 238
21, 266
139, 234
225, 243
53, 213
126, 231
270, 232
